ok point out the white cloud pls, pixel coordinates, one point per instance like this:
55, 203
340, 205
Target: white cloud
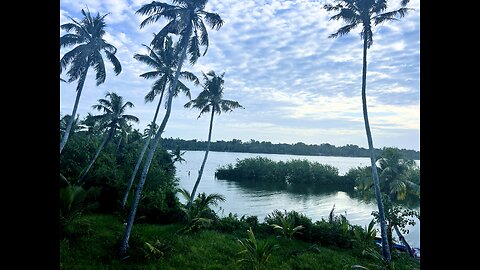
280, 64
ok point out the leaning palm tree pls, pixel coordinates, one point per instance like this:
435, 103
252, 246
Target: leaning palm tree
164, 60
186, 19
210, 99
114, 118
367, 13
88, 35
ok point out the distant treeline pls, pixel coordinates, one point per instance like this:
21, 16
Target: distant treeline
299, 148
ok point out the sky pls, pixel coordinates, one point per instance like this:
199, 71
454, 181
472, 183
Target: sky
295, 83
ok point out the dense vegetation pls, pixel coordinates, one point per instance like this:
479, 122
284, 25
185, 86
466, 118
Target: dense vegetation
299, 148
108, 177
320, 245
399, 177
292, 172
97, 177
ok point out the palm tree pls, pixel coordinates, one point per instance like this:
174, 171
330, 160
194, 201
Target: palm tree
88, 35
210, 99
150, 130
185, 18
366, 13
114, 118
393, 171
177, 155
64, 122
123, 135
164, 60
200, 206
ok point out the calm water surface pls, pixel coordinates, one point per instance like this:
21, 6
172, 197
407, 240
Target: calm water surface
250, 199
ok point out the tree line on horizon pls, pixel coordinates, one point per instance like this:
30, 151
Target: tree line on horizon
264, 147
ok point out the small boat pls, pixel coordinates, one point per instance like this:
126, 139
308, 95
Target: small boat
416, 251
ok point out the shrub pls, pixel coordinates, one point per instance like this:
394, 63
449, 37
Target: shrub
230, 223
255, 254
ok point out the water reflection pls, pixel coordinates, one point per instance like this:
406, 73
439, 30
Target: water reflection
260, 199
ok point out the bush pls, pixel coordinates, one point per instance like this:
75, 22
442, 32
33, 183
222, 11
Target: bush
230, 224
292, 172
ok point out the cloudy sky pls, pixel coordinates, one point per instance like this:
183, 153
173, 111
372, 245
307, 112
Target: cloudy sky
296, 84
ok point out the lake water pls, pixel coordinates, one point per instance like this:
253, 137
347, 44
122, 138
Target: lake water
244, 199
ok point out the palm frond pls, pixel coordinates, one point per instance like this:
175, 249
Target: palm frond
203, 35
193, 49
70, 40
229, 105
117, 67
390, 16
182, 87
330, 7
205, 109
184, 193
99, 67
151, 74
110, 48
213, 19
343, 30
154, 7
147, 60
131, 118
190, 76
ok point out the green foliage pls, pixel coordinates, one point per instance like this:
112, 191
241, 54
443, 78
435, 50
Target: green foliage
156, 250
292, 172
199, 215
399, 178
231, 223
254, 146
379, 262
286, 227
396, 214
74, 201
113, 169
255, 254
365, 237
202, 250
159, 207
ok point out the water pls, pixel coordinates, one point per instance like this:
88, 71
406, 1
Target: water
250, 199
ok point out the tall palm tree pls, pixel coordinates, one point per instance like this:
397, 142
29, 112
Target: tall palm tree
88, 35
186, 19
114, 118
210, 99
164, 60
367, 13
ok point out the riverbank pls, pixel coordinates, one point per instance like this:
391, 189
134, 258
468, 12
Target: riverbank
93, 240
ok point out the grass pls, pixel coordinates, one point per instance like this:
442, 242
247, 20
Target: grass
93, 241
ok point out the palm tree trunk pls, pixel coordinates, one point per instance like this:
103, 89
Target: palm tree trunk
200, 172
120, 139
102, 145
142, 154
383, 225
75, 106
404, 242
148, 161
